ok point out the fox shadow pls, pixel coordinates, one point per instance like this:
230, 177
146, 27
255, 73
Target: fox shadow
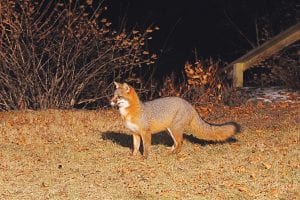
125, 140
162, 138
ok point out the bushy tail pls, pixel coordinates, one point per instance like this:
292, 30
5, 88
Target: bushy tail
212, 132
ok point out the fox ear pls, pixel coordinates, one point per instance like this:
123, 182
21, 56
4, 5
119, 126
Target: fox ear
126, 87
117, 84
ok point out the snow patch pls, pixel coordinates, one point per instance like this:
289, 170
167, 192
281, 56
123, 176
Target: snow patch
273, 94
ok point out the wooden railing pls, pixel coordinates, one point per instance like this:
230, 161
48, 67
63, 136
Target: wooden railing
262, 52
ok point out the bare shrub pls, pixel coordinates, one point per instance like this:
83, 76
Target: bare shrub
61, 54
202, 83
171, 86
203, 77
282, 69
287, 71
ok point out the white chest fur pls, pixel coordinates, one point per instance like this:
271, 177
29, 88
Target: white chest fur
132, 126
123, 111
123, 104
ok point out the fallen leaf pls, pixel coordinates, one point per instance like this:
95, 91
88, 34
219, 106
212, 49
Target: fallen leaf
267, 166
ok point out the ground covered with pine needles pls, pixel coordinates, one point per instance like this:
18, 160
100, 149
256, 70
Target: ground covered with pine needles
80, 154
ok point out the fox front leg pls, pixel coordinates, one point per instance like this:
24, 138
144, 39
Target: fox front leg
146, 137
136, 144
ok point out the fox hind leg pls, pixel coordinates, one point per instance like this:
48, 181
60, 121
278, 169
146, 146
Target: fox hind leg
146, 137
177, 136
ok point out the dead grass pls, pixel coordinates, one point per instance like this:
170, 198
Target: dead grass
69, 154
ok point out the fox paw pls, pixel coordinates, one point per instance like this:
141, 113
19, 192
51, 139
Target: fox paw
134, 153
173, 150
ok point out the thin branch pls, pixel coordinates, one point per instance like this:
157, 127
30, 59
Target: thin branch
239, 30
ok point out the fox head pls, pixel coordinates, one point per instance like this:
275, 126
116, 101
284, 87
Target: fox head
122, 95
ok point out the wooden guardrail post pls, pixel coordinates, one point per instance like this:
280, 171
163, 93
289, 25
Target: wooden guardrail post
238, 74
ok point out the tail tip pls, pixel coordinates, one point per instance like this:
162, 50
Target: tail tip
237, 127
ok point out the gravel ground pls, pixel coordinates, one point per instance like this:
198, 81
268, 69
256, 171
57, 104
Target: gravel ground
78, 154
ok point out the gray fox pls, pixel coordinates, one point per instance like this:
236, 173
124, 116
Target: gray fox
169, 113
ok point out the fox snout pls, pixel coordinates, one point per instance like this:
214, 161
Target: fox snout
113, 101
120, 102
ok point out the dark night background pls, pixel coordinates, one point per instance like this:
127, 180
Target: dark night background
209, 27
